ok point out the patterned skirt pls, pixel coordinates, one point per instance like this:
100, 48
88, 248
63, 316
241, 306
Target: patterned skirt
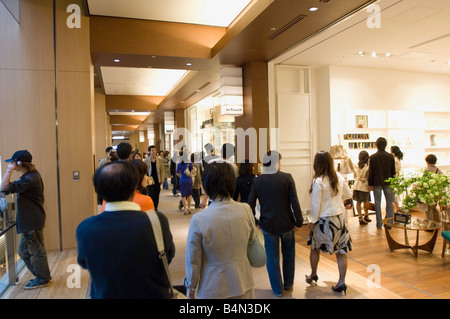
330, 234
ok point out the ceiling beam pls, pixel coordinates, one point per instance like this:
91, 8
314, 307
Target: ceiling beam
124, 127
154, 38
132, 102
126, 119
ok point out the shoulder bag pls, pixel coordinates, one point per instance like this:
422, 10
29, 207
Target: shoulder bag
156, 225
256, 253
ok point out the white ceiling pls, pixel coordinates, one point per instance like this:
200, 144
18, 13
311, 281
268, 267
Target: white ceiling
415, 32
206, 12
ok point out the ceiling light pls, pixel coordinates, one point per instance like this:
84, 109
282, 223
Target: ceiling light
312, 9
361, 53
188, 64
116, 60
388, 55
118, 137
374, 55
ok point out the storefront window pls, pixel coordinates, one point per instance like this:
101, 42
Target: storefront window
206, 125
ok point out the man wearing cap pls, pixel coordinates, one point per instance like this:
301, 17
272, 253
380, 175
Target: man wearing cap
30, 218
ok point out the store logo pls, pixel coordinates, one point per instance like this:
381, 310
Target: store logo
374, 280
74, 20
374, 20
74, 280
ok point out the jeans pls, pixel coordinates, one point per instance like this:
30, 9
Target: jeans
32, 251
388, 196
165, 184
272, 245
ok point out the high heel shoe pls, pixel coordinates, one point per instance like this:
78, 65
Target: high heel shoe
367, 219
341, 288
362, 221
310, 279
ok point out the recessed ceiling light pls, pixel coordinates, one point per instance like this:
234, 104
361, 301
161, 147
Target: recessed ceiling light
116, 60
361, 53
388, 55
374, 55
312, 9
188, 64
273, 29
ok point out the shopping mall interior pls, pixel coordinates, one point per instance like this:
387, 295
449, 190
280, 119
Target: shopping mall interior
77, 76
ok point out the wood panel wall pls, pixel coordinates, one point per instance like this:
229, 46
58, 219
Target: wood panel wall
56, 128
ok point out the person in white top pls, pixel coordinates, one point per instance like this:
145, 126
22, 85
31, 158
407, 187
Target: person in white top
361, 191
328, 233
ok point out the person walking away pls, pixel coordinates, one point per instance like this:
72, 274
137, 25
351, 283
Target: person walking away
280, 215
216, 260
244, 182
173, 174
329, 233
196, 180
118, 246
381, 168
30, 217
185, 170
361, 192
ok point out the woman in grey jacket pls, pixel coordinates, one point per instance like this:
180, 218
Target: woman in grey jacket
217, 266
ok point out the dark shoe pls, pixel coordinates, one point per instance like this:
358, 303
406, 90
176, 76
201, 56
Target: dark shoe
341, 288
180, 206
362, 221
367, 219
310, 279
33, 284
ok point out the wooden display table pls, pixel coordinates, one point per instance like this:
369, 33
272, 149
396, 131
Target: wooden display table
423, 226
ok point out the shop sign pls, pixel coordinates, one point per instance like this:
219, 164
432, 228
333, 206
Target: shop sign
232, 110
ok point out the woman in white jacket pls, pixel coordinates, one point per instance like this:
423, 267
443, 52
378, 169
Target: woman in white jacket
328, 233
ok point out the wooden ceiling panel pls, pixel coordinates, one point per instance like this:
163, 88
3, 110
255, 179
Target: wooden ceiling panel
132, 102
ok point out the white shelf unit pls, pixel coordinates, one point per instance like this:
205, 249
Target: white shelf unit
437, 137
417, 133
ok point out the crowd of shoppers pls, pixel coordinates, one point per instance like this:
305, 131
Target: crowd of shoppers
119, 250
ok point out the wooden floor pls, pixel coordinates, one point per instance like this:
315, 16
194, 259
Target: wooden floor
424, 277
401, 274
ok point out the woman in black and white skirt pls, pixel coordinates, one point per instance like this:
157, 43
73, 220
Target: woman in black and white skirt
329, 232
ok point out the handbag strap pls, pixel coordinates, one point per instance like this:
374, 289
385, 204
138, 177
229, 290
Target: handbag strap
156, 225
252, 219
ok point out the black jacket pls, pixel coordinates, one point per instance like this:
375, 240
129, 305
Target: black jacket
381, 167
243, 187
30, 201
280, 207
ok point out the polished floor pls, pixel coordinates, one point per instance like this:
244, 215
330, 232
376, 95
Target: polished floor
374, 272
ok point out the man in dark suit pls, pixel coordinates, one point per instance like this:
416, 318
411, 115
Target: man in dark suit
381, 167
118, 247
280, 215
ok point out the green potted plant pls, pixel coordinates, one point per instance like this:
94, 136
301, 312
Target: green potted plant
421, 187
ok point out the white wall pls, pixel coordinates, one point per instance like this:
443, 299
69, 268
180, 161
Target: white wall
379, 89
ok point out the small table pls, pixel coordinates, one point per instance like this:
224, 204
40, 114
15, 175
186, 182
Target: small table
425, 225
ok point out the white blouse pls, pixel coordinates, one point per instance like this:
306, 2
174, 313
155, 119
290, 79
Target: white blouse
323, 204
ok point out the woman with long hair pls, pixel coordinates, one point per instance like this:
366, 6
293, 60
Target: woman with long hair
328, 233
398, 157
361, 191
